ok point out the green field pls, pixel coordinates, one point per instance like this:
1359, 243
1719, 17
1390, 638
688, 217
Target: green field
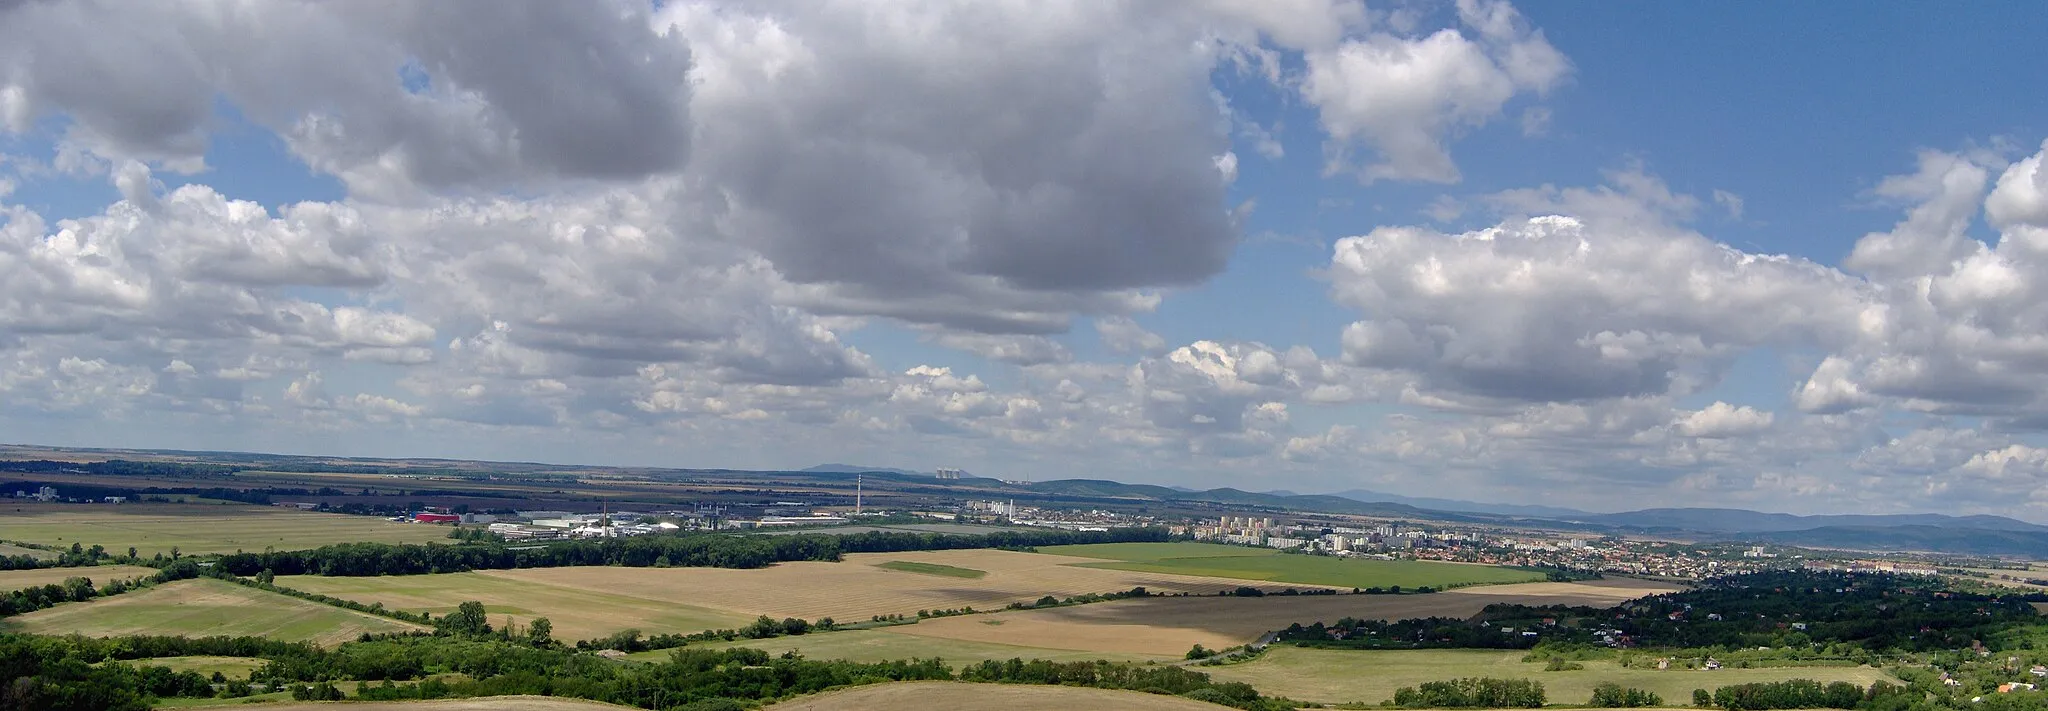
230, 667
198, 528
932, 569
575, 613
202, 608
1371, 676
883, 645
1273, 566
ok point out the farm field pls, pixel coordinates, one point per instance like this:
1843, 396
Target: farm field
855, 589
11, 580
1273, 566
199, 528
230, 667
575, 613
203, 607
887, 644
922, 695
1170, 625
1371, 676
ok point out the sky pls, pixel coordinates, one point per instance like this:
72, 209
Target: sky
1601, 255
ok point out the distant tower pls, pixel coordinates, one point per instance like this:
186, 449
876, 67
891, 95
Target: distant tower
856, 494
944, 473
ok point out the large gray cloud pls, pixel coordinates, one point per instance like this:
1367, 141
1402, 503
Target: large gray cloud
440, 94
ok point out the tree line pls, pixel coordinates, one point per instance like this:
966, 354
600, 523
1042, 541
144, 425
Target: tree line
1472, 692
70, 673
714, 550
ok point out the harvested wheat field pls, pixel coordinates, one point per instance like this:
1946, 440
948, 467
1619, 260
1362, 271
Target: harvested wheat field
204, 607
856, 588
1170, 625
11, 580
491, 703
922, 695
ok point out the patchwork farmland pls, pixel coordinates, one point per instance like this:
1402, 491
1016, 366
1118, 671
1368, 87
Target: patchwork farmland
198, 528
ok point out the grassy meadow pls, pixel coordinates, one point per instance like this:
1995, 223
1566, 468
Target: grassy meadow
1371, 676
1267, 565
199, 528
203, 608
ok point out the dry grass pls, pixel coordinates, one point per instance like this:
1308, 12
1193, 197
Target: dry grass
575, 612
204, 607
9, 550
856, 589
1171, 625
99, 575
923, 695
199, 528
493, 703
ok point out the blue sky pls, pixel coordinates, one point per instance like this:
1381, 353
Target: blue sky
743, 236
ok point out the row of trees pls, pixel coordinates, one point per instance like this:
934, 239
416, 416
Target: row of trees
1472, 692
1804, 694
714, 550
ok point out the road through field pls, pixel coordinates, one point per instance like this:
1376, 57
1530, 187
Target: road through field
1170, 625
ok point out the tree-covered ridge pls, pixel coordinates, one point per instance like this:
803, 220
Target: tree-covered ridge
1798, 609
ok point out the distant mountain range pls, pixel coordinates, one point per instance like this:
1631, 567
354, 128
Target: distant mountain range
1424, 502
835, 468
1741, 521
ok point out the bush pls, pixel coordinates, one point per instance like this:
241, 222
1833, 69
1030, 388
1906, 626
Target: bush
1612, 695
1473, 692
